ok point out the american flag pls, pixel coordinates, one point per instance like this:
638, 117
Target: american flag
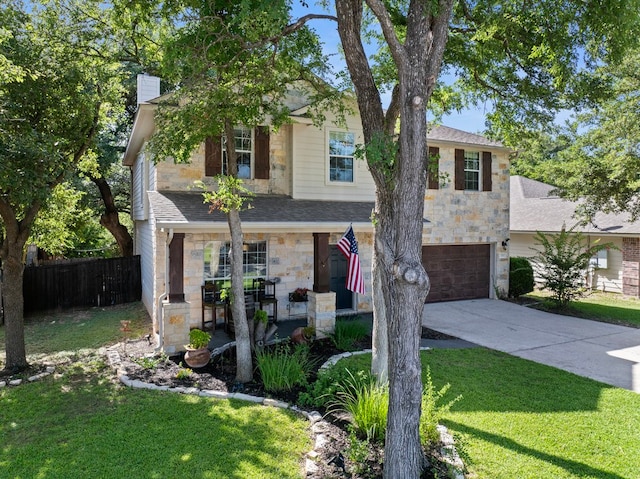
349, 247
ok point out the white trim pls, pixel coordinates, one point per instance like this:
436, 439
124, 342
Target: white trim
264, 227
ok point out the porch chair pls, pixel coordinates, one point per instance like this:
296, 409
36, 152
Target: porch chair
265, 292
211, 300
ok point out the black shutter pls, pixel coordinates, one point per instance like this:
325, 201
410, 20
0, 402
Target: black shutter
459, 169
433, 168
261, 149
486, 171
212, 157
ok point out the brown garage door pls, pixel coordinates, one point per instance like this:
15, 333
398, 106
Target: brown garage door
457, 271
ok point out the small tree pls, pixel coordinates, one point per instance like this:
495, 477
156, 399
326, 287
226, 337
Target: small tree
563, 261
520, 277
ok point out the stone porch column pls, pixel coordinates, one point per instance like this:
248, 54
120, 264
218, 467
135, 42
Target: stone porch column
175, 334
322, 313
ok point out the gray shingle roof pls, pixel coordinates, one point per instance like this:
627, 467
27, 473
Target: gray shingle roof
453, 135
188, 207
535, 208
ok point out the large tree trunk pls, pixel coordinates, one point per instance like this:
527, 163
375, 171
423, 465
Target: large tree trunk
244, 364
400, 186
380, 337
111, 220
15, 237
12, 272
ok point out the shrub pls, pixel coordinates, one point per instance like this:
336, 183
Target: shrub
367, 403
520, 277
347, 332
329, 381
432, 413
562, 263
282, 368
198, 339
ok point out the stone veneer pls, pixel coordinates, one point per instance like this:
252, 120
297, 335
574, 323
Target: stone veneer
631, 267
322, 313
290, 260
177, 319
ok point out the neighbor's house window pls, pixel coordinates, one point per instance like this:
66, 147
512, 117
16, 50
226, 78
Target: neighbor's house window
217, 263
252, 151
342, 146
472, 170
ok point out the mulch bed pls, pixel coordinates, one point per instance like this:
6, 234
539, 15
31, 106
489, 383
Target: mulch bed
219, 375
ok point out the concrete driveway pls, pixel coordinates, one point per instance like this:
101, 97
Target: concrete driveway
600, 351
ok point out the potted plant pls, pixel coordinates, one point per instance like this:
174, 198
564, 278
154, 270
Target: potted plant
197, 355
303, 335
299, 295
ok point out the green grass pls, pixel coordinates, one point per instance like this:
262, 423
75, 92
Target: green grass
605, 307
86, 426
72, 331
519, 419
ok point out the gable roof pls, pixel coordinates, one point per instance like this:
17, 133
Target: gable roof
445, 134
535, 207
186, 210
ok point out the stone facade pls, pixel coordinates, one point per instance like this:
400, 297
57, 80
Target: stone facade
631, 267
322, 313
175, 331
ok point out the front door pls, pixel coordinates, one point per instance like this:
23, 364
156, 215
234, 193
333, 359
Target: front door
338, 270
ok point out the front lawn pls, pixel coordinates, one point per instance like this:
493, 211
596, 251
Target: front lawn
84, 425
519, 419
605, 307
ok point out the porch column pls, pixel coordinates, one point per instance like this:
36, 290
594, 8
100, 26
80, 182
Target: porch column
631, 267
176, 269
321, 262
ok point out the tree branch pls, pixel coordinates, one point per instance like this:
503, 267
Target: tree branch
397, 49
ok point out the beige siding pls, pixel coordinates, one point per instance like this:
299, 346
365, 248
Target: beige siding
609, 279
138, 189
145, 245
310, 165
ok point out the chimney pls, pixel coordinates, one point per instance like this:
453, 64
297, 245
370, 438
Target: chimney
148, 88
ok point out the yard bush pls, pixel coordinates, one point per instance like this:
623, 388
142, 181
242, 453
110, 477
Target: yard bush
520, 277
347, 333
329, 381
284, 367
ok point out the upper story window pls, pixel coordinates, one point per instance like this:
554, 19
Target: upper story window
244, 146
342, 146
473, 170
252, 150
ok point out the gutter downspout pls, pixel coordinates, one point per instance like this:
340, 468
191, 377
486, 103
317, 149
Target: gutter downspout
164, 295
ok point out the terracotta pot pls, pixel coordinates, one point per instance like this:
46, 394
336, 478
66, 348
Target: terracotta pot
298, 336
197, 358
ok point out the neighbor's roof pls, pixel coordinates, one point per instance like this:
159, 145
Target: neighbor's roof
187, 210
445, 134
535, 207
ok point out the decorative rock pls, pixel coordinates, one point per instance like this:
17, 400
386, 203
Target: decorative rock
310, 466
314, 416
313, 455
15, 382
194, 391
247, 397
3, 384
321, 441
275, 403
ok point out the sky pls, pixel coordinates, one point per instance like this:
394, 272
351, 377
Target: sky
471, 120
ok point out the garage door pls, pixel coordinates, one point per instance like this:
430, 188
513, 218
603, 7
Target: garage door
457, 271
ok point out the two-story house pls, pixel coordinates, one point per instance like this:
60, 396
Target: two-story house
309, 188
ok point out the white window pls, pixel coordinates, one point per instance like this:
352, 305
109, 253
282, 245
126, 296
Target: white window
217, 263
244, 147
599, 260
472, 170
342, 146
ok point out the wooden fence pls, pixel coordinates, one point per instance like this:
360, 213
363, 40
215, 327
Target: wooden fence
95, 282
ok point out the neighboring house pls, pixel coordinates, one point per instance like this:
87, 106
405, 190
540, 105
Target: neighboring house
535, 207
309, 187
